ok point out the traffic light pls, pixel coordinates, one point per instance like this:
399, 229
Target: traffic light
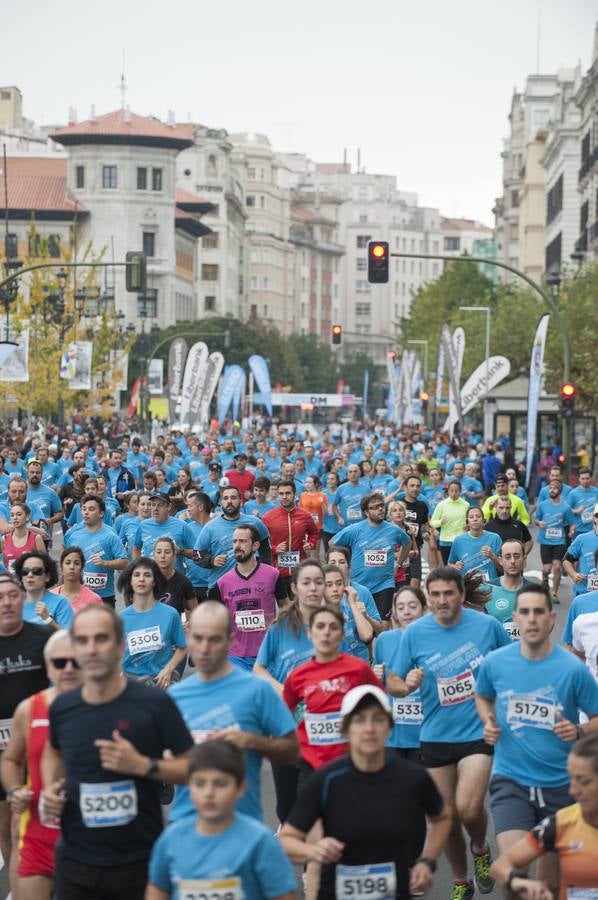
392, 354
378, 262
136, 271
337, 334
424, 397
568, 392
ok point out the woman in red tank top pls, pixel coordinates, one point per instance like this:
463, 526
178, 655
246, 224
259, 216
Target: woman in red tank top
21, 539
29, 734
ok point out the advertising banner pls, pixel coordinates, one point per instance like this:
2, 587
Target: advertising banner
196, 362
177, 356
536, 371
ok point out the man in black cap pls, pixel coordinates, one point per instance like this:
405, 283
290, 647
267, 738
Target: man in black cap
240, 477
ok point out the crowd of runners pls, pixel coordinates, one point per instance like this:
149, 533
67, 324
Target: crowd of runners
351, 609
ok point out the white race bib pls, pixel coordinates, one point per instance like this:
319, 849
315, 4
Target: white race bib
582, 893
200, 735
375, 882
324, 728
407, 712
592, 582
527, 709
315, 517
210, 889
289, 559
353, 513
95, 579
5, 730
587, 515
375, 557
144, 640
412, 528
456, 689
108, 804
512, 630
554, 533
250, 620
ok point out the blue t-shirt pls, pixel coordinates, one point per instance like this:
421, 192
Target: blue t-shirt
150, 638
352, 643
76, 515
556, 517
47, 500
582, 549
529, 694
582, 604
282, 650
194, 572
467, 548
238, 700
406, 711
149, 531
253, 508
545, 492
433, 495
37, 513
217, 538
372, 552
348, 501
58, 606
586, 498
107, 543
247, 851
450, 658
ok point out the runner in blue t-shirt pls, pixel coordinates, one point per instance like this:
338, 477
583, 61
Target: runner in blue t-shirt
347, 503
440, 654
528, 697
582, 501
222, 853
373, 543
221, 699
103, 549
583, 552
553, 517
154, 638
476, 550
161, 524
37, 572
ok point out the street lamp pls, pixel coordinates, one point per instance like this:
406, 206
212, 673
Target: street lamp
487, 310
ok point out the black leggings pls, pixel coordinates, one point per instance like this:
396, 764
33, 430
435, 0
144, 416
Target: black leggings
286, 781
383, 601
445, 553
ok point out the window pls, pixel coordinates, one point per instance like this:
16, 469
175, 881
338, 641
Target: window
413, 245
210, 241
109, 177
362, 264
253, 283
361, 286
251, 173
156, 179
141, 179
209, 272
541, 117
54, 246
149, 243
553, 255
80, 176
147, 304
514, 198
265, 309
262, 201
212, 168
435, 269
11, 246
452, 243
435, 247
554, 200
363, 241
209, 304
253, 310
363, 218
250, 200
514, 232
363, 309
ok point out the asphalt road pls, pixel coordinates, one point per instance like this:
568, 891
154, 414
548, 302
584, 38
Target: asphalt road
442, 887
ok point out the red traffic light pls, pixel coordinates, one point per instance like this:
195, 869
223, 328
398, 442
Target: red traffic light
379, 250
424, 396
567, 390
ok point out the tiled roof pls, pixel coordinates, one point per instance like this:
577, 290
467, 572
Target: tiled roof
309, 215
37, 184
464, 225
192, 203
123, 127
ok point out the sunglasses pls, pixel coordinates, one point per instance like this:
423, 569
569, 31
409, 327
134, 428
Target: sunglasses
36, 570
61, 662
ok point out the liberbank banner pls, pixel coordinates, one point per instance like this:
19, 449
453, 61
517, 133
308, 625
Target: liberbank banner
326, 400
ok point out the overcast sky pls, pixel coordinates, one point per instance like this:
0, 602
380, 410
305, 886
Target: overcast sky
422, 87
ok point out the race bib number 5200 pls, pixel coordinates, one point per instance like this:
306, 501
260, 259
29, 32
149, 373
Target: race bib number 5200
456, 689
108, 804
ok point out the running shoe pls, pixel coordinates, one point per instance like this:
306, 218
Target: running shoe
463, 890
481, 871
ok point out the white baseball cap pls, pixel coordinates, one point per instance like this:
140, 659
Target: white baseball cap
356, 694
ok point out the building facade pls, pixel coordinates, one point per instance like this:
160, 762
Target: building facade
587, 101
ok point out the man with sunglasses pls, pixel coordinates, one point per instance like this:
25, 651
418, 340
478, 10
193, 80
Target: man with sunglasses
373, 542
38, 836
22, 673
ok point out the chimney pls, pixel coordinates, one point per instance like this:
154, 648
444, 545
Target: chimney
92, 112
171, 122
72, 115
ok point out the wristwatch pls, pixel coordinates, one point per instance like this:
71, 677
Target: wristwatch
431, 863
152, 769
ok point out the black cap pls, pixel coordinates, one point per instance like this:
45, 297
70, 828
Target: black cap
214, 467
240, 455
158, 495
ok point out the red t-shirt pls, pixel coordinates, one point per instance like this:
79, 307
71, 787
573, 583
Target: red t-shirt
242, 480
321, 687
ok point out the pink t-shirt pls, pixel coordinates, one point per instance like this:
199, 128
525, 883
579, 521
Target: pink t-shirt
84, 599
252, 606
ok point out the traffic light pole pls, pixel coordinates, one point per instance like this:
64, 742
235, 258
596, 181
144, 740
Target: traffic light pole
548, 300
